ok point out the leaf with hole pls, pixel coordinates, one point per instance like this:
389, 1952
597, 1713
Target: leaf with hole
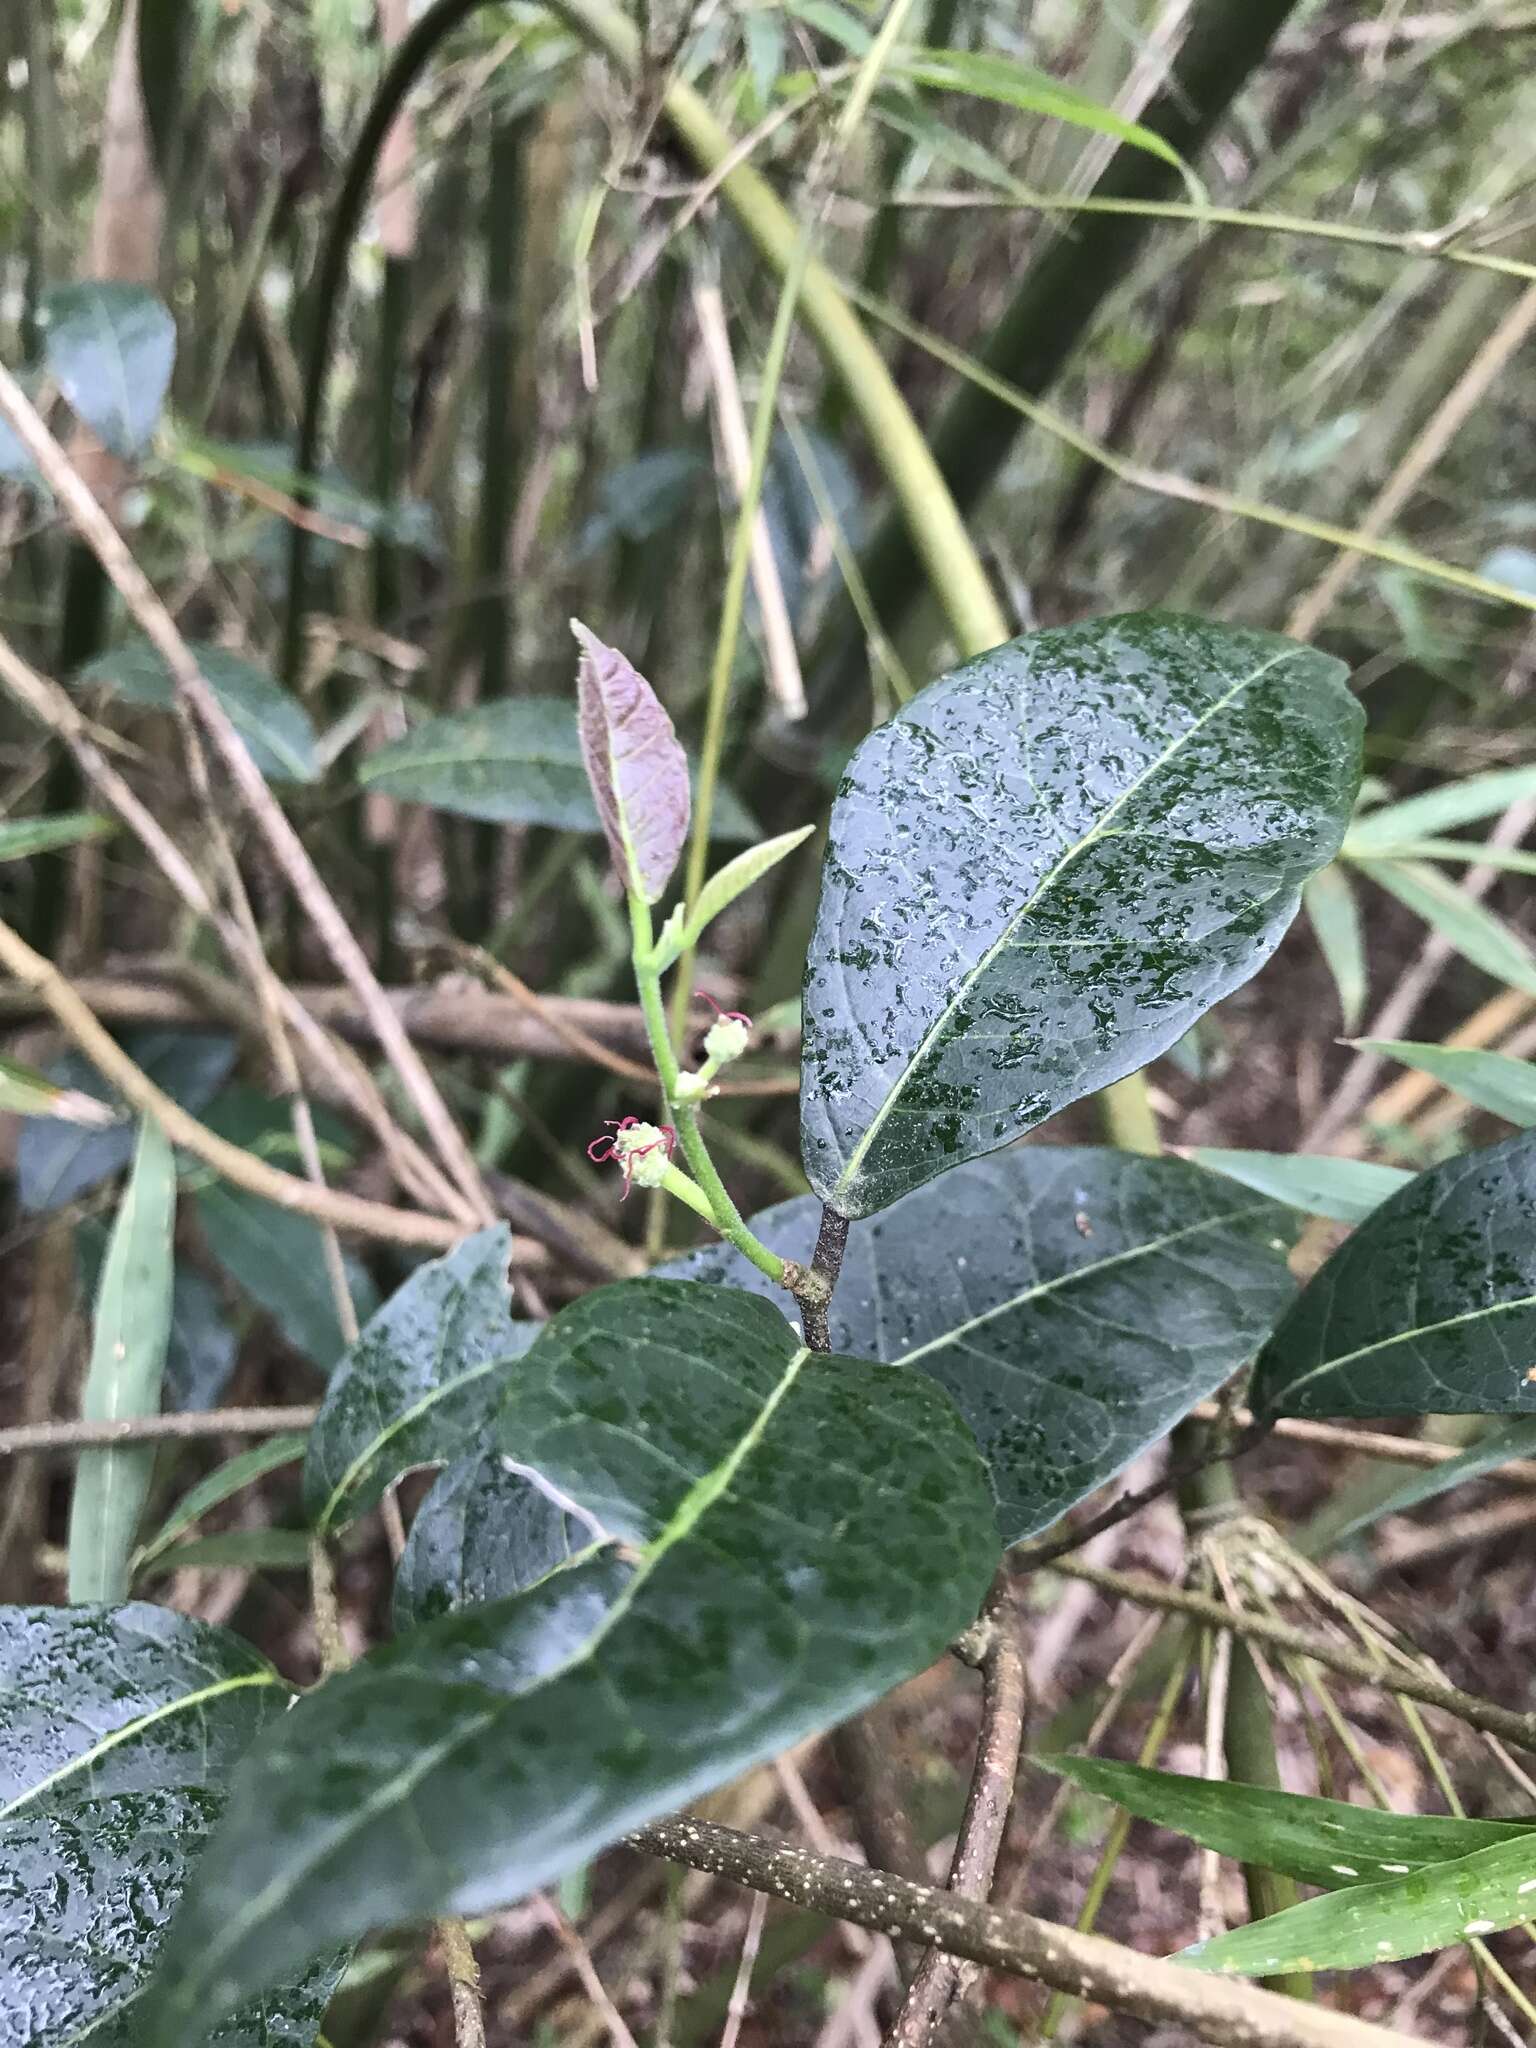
482, 1532
1044, 869
1429, 1308
1074, 1303
1503, 1086
119, 1727
1348, 1190
1436, 1907
516, 762
1324, 1842
421, 1382
111, 349
130, 1332
785, 1537
273, 724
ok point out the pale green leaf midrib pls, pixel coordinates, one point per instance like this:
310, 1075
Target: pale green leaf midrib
849, 1175
1348, 1358
131, 1729
1080, 1274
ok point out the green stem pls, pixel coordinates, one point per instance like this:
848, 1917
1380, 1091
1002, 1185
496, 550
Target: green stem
721, 1211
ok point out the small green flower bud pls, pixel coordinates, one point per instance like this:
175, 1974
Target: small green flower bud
727, 1039
644, 1153
690, 1088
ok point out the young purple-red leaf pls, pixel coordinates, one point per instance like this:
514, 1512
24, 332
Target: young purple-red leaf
637, 769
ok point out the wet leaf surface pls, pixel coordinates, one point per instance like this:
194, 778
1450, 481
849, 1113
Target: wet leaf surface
119, 1727
785, 1536
1044, 869
1429, 1308
481, 1533
1074, 1301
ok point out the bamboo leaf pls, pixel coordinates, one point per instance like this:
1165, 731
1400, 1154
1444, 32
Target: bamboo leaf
1506, 1087
256, 1550
987, 75
130, 1333
1475, 933
1348, 1190
1334, 914
1044, 869
230, 1478
26, 1092
1434, 1908
784, 1536
20, 838
1430, 1307
1514, 1440
1455, 803
1324, 1842
273, 724
635, 766
1074, 1302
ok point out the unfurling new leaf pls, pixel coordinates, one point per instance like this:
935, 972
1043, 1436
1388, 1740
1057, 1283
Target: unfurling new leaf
635, 764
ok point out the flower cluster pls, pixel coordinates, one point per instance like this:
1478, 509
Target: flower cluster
642, 1151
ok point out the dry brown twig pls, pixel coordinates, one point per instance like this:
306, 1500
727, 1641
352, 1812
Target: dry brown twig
346, 1212
995, 1651
53, 709
99, 534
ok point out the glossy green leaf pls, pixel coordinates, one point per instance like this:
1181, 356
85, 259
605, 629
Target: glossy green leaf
1382, 1923
278, 1259
1492, 1080
1075, 1303
1429, 1308
636, 768
130, 1331
987, 75
230, 1478
118, 1728
420, 1384
1324, 1842
1345, 1189
1440, 810
1044, 869
26, 1092
1513, 1440
482, 1532
273, 724
786, 1536
516, 762
1334, 914
56, 1163
111, 349
1475, 933
20, 838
